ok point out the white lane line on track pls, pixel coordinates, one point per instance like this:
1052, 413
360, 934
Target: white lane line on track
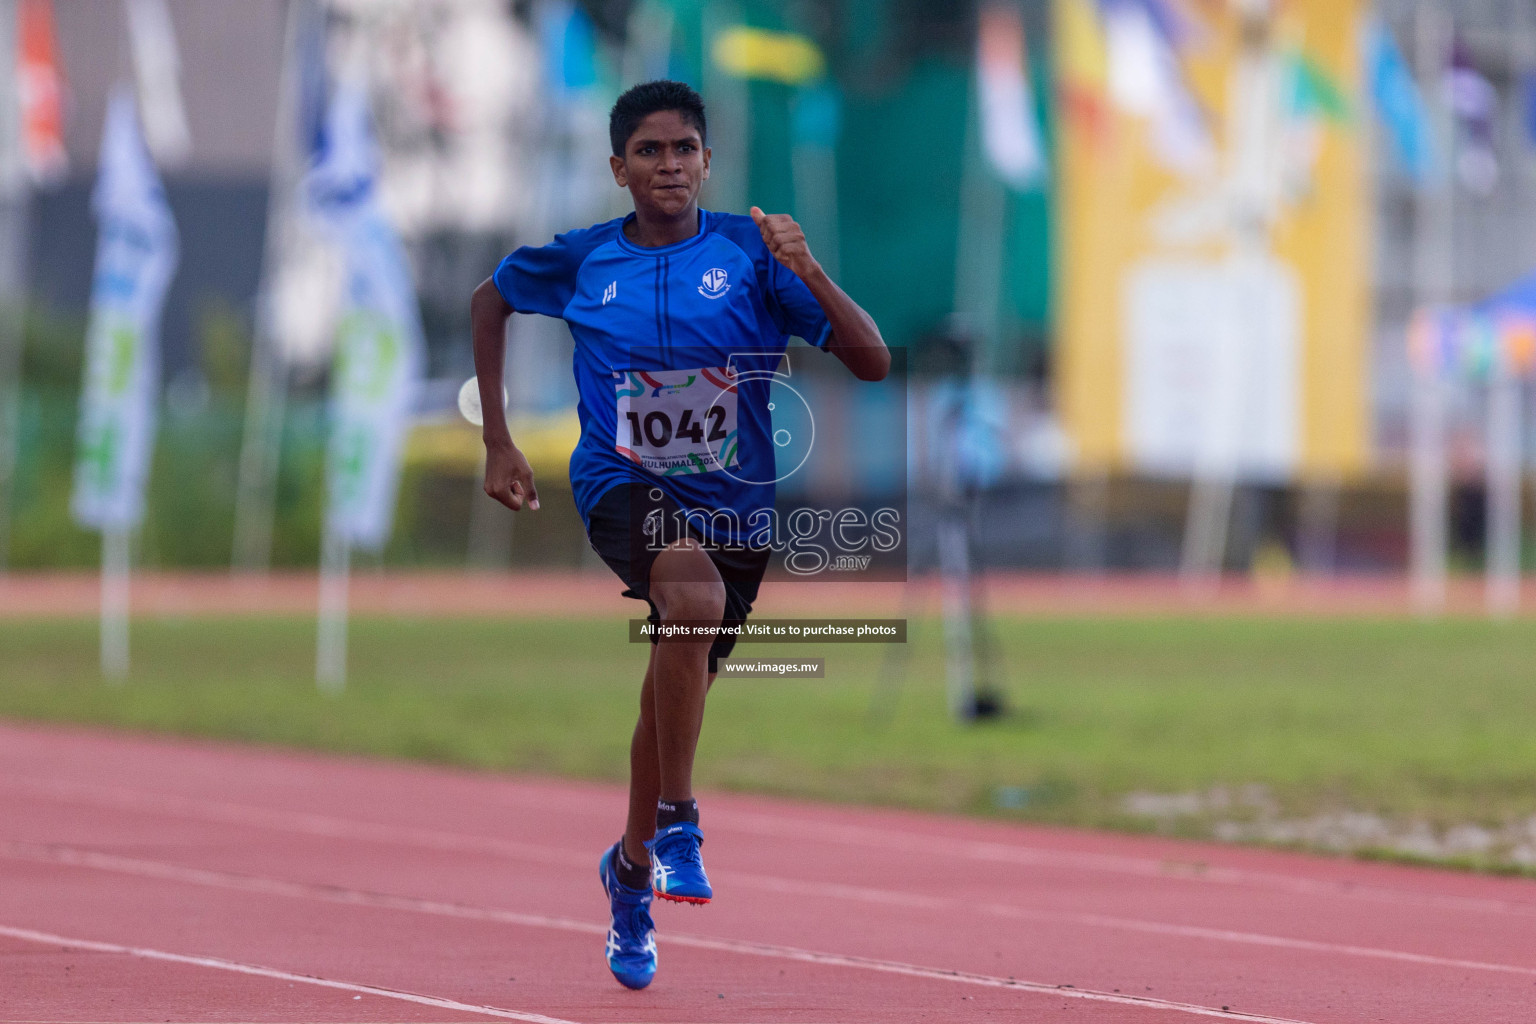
752, 823
1018, 855
360, 898
1003, 910
27, 935
341, 828
75, 857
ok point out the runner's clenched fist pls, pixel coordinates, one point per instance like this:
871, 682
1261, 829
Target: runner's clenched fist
786, 241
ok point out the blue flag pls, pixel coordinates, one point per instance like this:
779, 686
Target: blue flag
1399, 105
136, 254
380, 351
570, 48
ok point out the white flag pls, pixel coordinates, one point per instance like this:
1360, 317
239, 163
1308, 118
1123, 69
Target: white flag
136, 253
1145, 80
157, 65
379, 346
1010, 129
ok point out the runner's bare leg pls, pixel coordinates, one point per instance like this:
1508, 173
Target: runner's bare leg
645, 770
686, 588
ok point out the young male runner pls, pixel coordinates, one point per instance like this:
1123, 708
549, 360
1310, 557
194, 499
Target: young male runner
668, 307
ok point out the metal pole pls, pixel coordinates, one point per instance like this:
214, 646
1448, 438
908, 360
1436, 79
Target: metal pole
1434, 270
331, 649
1318, 527
13, 263
267, 393
116, 566
1502, 465
959, 622
1503, 483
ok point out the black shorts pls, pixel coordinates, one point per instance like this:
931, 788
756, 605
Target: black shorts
618, 531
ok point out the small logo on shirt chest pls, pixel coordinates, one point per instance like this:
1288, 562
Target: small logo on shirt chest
610, 292
716, 283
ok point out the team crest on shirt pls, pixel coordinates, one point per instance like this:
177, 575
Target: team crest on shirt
716, 283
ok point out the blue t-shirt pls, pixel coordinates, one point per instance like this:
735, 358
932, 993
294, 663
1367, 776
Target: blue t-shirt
675, 351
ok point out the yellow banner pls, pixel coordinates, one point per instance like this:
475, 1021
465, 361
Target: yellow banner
1213, 214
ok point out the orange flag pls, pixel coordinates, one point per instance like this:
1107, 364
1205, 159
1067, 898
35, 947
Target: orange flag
41, 85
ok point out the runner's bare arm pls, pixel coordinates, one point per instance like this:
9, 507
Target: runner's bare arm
855, 337
508, 477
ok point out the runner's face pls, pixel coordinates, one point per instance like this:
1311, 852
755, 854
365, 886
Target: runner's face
664, 164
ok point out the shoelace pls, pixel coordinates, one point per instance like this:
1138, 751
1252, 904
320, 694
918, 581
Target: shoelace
640, 925
690, 853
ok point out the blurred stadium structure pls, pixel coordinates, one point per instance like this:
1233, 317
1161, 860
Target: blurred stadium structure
1179, 240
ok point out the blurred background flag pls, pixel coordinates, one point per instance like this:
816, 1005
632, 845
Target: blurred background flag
785, 57
1173, 21
136, 255
41, 86
1146, 79
1399, 104
307, 66
378, 366
1475, 103
1009, 125
379, 348
157, 67
570, 48
1082, 62
1312, 100
1312, 92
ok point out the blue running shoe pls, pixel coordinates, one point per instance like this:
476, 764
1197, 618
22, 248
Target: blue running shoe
632, 935
677, 870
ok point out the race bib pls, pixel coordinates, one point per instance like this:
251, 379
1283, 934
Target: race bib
676, 422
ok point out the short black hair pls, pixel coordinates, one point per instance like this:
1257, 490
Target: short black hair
645, 99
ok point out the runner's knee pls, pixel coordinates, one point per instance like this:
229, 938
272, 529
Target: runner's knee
685, 585
680, 601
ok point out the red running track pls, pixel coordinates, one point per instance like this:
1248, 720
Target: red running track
163, 880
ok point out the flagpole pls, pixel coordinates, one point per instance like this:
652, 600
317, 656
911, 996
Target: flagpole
1215, 474
116, 569
13, 261
1503, 467
266, 393
1434, 269
335, 576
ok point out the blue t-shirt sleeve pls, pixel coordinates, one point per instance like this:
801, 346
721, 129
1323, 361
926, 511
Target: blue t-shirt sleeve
542, 279
538, 280
799, 312
790, 303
